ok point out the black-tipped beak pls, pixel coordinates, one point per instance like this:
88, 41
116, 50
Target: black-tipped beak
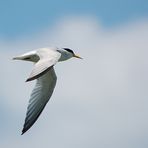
77, 56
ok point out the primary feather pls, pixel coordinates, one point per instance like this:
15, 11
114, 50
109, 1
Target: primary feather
39, 97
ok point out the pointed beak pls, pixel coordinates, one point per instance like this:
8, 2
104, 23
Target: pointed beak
77, 56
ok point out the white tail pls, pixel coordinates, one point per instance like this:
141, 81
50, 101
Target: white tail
30, 56
18, 58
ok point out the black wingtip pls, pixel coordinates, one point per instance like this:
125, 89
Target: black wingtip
23, 131
29, 79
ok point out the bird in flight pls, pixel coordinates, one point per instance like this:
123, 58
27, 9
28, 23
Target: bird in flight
43, 71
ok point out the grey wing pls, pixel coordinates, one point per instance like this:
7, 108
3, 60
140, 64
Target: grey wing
48, 58
39, 97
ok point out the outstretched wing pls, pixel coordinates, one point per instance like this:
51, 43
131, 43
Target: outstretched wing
39, 97
48, 58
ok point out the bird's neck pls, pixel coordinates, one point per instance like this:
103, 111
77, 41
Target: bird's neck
64, 56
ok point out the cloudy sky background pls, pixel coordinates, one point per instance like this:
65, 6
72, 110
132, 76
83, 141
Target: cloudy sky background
100, 101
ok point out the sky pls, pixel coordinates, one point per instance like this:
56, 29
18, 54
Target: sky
100, 101
19, 18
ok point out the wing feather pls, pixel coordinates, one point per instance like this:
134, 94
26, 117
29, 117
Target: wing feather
48, 58
39, 97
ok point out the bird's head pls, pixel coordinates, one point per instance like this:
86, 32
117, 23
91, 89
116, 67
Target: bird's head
71, 53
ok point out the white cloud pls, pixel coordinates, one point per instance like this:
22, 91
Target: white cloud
100, 101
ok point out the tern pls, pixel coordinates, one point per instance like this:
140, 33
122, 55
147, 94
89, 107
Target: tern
44, 60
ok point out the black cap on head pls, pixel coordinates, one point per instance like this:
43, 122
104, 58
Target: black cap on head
69, 50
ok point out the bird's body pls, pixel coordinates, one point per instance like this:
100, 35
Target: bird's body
43, 71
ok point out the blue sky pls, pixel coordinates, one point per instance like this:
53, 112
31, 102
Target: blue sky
19, 18
100, 101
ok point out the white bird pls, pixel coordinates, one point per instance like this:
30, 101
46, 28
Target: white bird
43, 71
